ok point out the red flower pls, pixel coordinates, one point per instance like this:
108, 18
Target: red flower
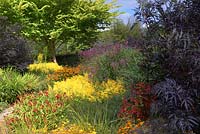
58, 96
46, 93
35, 110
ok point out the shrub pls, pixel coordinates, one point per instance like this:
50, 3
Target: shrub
176, 104
118, 62
175, 43
14, 49
137, 104
37, 111
44, 67
13, 84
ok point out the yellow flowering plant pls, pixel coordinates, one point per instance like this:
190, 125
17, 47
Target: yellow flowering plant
75, 86
81, 86
109, 88
73, 129
44, 67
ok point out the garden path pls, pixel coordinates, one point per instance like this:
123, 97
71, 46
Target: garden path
3, 129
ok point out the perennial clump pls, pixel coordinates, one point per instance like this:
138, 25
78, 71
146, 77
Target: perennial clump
44, 67
81, 86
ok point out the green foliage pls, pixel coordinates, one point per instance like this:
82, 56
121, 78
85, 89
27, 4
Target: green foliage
54, 23
13, 84
1, 71
48, 110
117, 64
101, 115
120, 32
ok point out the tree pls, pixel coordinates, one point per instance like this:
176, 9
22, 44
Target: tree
54, 22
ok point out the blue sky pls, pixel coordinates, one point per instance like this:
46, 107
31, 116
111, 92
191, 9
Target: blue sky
127, 6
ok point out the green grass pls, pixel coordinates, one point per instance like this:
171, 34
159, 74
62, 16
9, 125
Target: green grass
101, 115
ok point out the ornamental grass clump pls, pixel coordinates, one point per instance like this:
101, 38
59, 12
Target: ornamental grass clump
13, 84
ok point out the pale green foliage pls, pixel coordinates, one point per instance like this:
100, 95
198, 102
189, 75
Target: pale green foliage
120, 32
57, 22
13, 84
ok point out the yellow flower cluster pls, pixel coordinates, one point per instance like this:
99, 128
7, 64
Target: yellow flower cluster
39, 131
73, 129
110, 88
75, 86
81, 86
129, 127
44, 67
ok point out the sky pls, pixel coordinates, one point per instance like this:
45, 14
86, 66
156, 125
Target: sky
127, 6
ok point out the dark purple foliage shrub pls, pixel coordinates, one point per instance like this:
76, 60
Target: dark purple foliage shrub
13, 48
173, 44
176, 103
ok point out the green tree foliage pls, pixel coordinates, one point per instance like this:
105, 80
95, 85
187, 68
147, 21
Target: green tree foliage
55, 22
120, 32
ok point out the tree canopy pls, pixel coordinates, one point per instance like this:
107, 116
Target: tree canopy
53, 22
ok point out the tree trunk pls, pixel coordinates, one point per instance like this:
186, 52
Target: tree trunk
52, 51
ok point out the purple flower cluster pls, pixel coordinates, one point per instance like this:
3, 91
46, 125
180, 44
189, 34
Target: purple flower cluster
101, 49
